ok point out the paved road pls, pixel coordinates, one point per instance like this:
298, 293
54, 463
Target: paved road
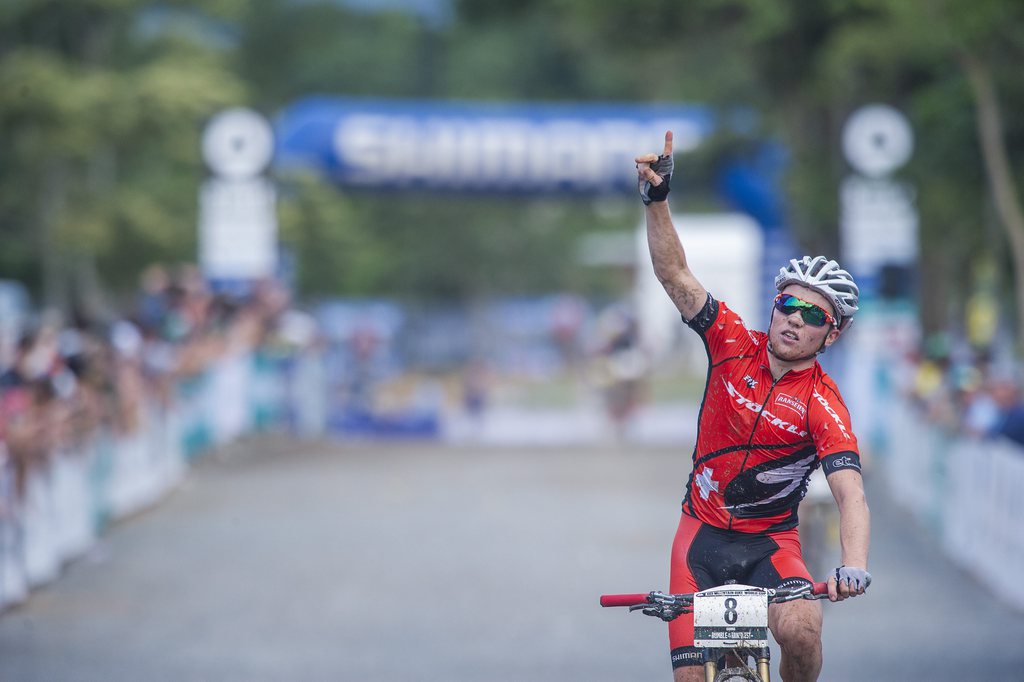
365, 563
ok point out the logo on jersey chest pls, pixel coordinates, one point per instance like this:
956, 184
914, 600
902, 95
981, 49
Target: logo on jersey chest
771, 418
795, 404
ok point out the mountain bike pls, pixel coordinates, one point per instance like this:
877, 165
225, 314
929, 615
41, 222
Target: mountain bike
730, 623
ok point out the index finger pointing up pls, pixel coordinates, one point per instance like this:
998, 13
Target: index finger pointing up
668, 143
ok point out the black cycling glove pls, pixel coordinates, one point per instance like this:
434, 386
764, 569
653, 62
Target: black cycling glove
663, 167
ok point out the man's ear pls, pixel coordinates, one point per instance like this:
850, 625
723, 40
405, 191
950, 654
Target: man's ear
831, 337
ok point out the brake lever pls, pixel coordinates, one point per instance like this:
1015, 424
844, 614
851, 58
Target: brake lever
666, 612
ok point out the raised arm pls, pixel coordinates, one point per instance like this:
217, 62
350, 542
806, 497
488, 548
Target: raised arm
667, 252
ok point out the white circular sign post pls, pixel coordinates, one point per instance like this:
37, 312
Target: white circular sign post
238, 143
877, 139
878, 234
237, 216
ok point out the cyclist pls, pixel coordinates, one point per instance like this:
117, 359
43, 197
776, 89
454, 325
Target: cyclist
769, 417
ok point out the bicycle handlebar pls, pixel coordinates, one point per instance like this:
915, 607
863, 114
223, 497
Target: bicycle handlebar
817, 591
623, 599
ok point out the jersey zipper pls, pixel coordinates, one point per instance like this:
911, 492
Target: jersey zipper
757, 420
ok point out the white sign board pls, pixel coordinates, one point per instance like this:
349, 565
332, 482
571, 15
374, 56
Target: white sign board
237, 214
237, 229
878, 224
878, 228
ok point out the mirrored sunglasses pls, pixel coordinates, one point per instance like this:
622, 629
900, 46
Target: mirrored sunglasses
816, 316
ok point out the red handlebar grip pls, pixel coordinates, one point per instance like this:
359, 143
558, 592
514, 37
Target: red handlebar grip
623, 599
819, 588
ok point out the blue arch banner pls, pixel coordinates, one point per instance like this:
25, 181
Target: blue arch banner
476, 146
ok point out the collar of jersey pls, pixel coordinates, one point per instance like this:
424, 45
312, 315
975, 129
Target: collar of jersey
791, 374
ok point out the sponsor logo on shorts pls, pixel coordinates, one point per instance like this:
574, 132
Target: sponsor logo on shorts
686, 656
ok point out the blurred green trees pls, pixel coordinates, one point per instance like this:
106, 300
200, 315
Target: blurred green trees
953, 66
103, 102
101, 109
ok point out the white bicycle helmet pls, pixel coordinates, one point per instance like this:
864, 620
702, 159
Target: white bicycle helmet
827, 278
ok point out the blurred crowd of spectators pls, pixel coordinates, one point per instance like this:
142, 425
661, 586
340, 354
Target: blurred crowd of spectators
65, 381
966, 393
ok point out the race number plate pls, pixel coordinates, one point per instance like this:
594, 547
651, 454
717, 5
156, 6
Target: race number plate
732, 615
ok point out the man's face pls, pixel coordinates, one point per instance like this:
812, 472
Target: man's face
793, 339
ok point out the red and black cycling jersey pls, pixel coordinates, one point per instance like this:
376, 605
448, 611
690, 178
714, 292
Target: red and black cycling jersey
759, 438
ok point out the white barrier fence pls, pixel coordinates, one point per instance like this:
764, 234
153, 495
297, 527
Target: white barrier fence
69, 499
969, 492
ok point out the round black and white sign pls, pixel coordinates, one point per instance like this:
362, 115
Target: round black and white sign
238, 143
877, 139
